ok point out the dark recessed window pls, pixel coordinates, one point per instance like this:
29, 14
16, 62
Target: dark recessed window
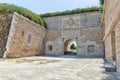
91, 48
50, 47
29, 39
22, 33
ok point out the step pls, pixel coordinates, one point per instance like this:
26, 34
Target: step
109, 67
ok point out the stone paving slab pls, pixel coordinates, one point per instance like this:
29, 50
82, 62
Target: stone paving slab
55, 68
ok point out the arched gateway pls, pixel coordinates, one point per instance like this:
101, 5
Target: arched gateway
70, 47
83, 28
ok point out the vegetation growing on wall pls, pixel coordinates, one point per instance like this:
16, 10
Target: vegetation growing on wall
22, 11
74, 11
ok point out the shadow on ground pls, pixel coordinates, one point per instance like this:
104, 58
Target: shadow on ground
110, 76
73, 57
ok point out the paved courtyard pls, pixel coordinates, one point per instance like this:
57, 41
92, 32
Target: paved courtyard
54, 68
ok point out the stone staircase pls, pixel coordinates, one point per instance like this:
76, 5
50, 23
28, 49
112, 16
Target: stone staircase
110, 67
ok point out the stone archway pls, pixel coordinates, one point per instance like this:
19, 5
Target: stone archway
67, 47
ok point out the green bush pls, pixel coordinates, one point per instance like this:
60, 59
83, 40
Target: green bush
101, 5
22, 11
73, 47
101, 2
74, 11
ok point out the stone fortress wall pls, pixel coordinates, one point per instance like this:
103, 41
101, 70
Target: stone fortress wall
84, 28
111, 24
26, 38
20, 37
5, 22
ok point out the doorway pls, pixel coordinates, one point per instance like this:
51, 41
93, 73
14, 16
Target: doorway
70, 47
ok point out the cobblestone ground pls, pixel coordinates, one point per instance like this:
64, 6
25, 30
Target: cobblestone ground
51, 68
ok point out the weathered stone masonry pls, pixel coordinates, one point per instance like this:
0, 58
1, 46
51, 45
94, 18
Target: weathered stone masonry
111, 24
84, 28
5, 22
23, 37
26, 38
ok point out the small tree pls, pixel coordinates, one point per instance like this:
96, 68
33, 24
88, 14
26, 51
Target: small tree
101, 2
73, 47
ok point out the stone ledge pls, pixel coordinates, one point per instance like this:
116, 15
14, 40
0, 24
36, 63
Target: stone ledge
110, 67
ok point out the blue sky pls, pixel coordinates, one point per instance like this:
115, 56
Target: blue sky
45, 6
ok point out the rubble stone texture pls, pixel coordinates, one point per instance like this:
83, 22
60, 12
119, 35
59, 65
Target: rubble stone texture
5, 22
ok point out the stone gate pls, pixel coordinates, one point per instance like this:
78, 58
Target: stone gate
84, 28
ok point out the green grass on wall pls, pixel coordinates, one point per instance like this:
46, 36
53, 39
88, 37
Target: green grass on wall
22, 11
74, 11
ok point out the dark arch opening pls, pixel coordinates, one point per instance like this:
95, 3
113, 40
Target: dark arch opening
70, 47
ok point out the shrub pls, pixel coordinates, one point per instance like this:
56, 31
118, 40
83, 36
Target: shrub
22, 11
73, 47
101, 2
74, 11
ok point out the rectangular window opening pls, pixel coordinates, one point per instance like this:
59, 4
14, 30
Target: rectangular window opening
50, 47
29, 39
91, 48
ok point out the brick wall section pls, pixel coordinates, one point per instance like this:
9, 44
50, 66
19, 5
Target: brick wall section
53, 34
110, 19
91, 36
26, 38
110, 12
117, 37
84, 28
113, 45
108, 48
112, 23
88, 19
5, 22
